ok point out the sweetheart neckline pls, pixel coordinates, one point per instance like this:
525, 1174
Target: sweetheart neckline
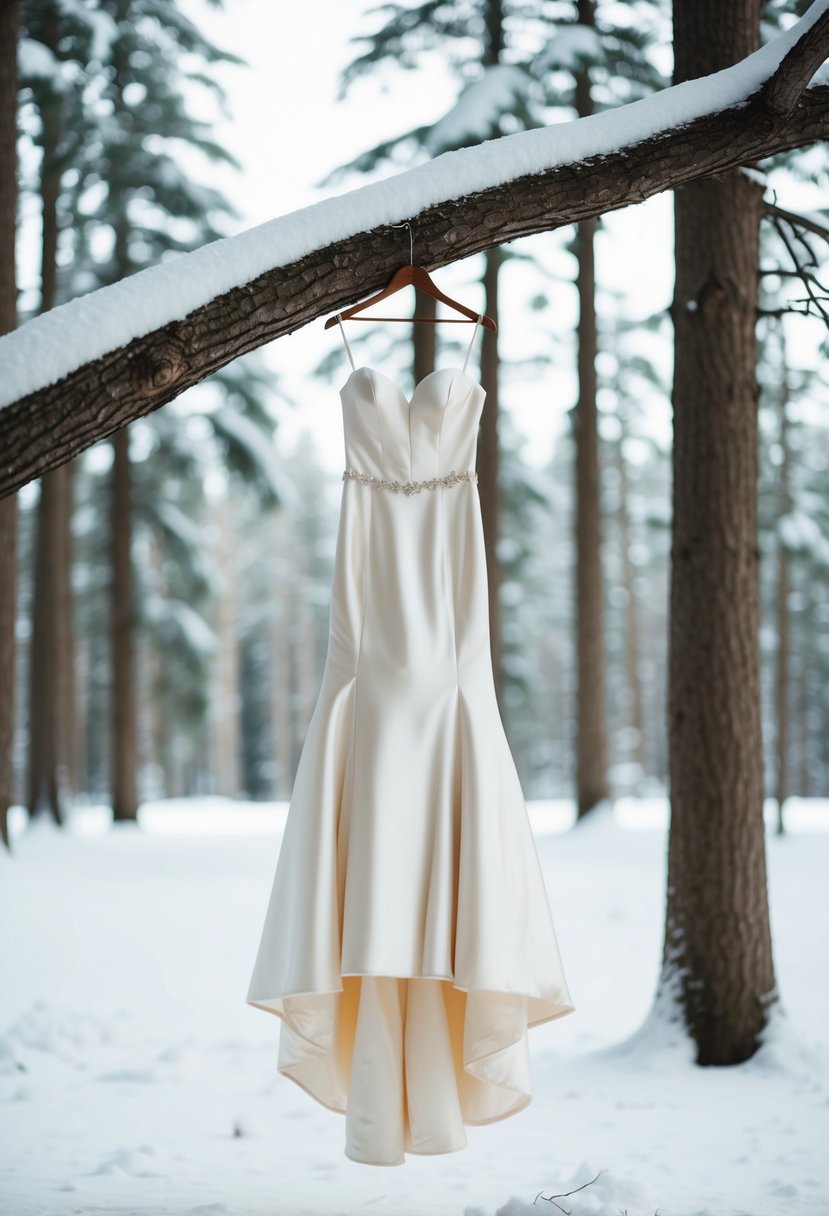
375, 371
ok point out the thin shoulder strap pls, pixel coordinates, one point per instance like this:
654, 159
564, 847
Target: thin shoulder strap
347, 347
472, 339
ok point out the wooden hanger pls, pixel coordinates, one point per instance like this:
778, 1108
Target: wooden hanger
419, 278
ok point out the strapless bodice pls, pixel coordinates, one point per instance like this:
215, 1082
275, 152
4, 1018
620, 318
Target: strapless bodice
431, 435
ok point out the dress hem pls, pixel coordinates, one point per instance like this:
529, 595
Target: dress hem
479, 1066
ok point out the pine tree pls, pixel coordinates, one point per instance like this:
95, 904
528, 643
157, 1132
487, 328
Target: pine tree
58, 40
717, 957
129, 195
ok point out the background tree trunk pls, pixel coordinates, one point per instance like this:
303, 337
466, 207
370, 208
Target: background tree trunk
488, 451
424, 338
124, 728
487, 464
51, 652
591, 711
717, 938
227, 727
51, 716
123, 778
280, 685
633, 647
305, 653
783, 589
9, 24
805, 634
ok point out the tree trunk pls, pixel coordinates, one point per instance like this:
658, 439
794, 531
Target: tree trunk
783, 589
488, 450
82, 678
633, 648
424, 338
305, 650
51, 733
487, 464
51, 651
591, 725
227, 729
717, 951
806, 635
9, 20
280, 688
591, 712
123, 716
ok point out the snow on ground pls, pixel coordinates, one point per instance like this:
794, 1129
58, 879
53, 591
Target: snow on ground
55, 343
135, 1080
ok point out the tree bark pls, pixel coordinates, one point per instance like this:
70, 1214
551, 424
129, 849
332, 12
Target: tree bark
280, 686
633, 645
591, 713
806, 643
51, 650
45, 428
591, 710
424, 338
51, 720
9, 25
227, 737
305, 652
717, 950
124, 744
783, 589
123, 685
487, 462
488, 454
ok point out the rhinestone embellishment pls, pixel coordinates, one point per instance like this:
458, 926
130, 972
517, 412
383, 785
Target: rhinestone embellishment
411, 487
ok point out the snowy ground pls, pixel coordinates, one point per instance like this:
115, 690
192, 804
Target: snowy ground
134, 1079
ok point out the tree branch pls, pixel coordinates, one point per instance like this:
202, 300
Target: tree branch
797, 68
49, 426
798, 221
812, 298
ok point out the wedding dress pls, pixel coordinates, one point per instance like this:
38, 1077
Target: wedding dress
408, 943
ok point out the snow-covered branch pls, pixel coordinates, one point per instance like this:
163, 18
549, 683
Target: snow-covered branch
76, 374
800, 63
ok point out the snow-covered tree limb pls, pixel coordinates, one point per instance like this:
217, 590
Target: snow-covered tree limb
800, 63
78, 373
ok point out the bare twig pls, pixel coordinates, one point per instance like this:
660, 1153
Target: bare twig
563, 1194
806, 277
794, 218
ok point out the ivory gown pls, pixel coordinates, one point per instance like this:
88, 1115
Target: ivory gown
408, 942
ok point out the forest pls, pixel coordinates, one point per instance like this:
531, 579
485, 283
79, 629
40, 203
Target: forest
631, 198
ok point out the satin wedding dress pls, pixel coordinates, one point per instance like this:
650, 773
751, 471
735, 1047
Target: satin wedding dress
408, 942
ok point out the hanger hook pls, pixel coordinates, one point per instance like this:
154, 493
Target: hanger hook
406, 224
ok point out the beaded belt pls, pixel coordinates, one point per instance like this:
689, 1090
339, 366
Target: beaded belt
411, 487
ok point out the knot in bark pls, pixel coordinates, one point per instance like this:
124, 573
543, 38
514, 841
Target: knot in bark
159, 367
